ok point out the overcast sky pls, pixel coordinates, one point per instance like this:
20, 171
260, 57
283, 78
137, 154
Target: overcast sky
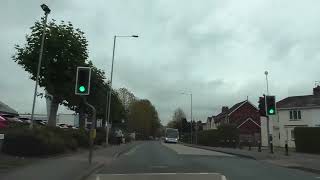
219, 50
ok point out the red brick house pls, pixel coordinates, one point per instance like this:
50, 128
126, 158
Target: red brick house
245, 116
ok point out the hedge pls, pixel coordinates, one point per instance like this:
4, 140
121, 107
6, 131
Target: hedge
42, 141
307, 139
225, 136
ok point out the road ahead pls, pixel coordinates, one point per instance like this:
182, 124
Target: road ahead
174, 161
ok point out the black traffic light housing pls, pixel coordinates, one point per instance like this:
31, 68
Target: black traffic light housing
262, 107
83, 77
271, 105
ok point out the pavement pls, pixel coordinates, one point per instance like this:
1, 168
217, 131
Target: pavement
156, 160
67, 167
303, 161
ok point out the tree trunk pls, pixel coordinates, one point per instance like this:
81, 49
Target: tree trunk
53, 112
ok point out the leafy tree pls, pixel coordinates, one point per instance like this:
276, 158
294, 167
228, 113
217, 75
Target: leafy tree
179, 120
143, 118
126, 97
65, 49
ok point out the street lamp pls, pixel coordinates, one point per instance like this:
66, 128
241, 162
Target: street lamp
190, 93
268, 119
46, 10
111, 76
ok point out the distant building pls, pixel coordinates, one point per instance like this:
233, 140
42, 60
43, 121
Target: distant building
5, 109
210, 123
296, 111
245, 116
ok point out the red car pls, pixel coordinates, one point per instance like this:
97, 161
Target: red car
3, 122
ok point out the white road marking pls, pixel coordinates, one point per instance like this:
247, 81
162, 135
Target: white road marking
97, 177
131, 151
318, 177
138, 174
160, 176
185, 150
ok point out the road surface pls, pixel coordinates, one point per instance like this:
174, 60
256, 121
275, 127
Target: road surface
156, 160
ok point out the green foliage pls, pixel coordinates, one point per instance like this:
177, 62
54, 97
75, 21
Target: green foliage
306, 139
225, 135
65, 48
143, 118
42, 141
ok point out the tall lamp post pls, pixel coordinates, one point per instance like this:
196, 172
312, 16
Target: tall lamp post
111, 76
268, 128
46, 10
190, 113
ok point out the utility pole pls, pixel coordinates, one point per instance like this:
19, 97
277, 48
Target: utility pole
46, 10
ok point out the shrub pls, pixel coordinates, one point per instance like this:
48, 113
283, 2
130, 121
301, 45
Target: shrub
23, 141
225, 135
80, 136
306, 139
27, 142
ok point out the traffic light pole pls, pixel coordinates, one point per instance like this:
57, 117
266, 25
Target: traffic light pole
92, 128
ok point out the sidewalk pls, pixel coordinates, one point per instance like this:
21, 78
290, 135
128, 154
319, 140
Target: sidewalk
70, 167
303, 161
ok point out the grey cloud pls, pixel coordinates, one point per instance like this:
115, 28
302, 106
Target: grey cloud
216, 49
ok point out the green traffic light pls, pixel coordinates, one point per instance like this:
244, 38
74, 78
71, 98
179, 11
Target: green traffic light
82, 89
271, 111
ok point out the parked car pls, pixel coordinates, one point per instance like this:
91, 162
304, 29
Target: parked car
25, 120
11, 118
62, 125
40, 122
3, 122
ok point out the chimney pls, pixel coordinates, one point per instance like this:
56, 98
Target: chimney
224, 109
316, 91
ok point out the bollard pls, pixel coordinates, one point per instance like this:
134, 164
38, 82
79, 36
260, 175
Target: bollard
249, 146
286, 148
271, 147
259, 147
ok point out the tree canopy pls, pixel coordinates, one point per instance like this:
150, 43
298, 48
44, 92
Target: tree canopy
143, 118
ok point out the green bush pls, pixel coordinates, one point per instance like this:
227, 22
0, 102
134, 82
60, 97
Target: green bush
307, 139
40, 141
80, 136
225, 136
208, 138
27, 142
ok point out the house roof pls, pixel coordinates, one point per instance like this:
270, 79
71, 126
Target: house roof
233, 108
307, 101
6, 109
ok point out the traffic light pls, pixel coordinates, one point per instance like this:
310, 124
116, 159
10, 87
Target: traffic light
262, 107
83, 81
271, 105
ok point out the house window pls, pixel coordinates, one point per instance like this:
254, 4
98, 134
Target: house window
295, 114
292, 134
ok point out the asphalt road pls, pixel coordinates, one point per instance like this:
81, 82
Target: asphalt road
155, 160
